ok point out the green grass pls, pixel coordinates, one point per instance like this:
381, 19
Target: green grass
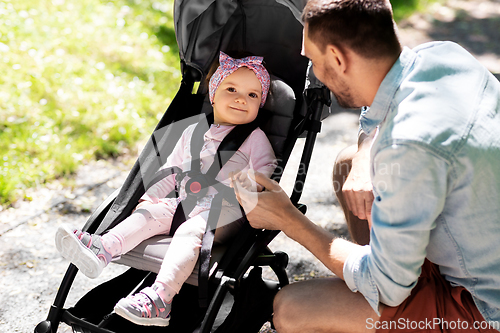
80, 80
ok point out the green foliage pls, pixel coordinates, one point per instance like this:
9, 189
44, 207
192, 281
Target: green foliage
80, 80
404, 8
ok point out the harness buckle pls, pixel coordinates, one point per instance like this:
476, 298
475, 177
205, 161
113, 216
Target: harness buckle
197, 185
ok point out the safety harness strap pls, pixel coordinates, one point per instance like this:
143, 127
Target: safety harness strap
206, 249
162, 174
228, 147
187, 205
197, 141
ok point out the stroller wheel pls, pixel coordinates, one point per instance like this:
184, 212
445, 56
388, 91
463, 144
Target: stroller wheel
43, 327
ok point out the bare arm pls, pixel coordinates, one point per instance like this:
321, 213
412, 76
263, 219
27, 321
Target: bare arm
357, 189
273, 210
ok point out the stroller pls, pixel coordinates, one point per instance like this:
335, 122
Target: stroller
228, 295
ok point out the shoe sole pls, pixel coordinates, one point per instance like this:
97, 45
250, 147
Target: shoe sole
73, 249
122, 312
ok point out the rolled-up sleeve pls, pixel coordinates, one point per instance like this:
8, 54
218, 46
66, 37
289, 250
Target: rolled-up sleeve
410, 186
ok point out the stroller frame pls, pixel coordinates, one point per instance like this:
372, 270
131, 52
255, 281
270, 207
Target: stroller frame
228, 276
248, 249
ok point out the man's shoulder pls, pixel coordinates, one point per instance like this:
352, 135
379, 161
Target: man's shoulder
436, 98
445, 81
444, 58
439, 46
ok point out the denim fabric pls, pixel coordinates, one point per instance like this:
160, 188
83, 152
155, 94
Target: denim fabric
436, 179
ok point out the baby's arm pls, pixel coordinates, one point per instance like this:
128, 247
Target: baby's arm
159, 190
166, 185
262, 159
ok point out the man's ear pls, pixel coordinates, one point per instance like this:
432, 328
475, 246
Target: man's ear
338, 58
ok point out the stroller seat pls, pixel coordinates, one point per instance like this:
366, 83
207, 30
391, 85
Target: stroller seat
148, 256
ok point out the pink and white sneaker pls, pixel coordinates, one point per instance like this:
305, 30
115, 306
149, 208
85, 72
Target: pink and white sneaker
145, 308
84, 250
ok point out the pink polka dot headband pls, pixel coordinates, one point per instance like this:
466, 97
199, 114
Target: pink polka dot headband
229, 65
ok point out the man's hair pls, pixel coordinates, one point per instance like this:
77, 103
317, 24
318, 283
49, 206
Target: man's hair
364, 26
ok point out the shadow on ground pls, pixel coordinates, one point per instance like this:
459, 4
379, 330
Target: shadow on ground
479, 36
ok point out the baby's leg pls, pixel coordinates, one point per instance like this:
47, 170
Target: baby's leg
181, 256
91, 253
183, 253
178, 264
151, 306
145, 222
82, 249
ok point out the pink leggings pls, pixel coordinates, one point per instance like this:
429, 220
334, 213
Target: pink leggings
183, 252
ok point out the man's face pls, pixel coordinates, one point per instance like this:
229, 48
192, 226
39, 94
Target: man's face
323, 69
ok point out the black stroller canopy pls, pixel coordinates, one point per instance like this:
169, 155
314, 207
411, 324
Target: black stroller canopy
268, 28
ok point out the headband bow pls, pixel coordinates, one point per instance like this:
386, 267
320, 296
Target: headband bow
229, 65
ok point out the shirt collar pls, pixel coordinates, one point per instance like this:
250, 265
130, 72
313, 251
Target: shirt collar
371, 117
217, 132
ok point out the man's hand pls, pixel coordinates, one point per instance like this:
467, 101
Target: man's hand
358, 192
267, 209
358, 189
271, 209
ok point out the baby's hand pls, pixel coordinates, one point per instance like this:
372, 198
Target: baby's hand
141, 204
245, 181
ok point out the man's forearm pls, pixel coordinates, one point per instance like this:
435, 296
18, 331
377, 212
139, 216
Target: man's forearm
330, 250
273, 210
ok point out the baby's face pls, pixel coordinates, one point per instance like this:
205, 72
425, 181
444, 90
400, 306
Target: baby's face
238, 98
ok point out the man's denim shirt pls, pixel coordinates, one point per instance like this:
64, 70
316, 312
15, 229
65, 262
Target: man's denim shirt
436, 179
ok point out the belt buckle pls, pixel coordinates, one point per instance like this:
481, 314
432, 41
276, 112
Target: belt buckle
197, 186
